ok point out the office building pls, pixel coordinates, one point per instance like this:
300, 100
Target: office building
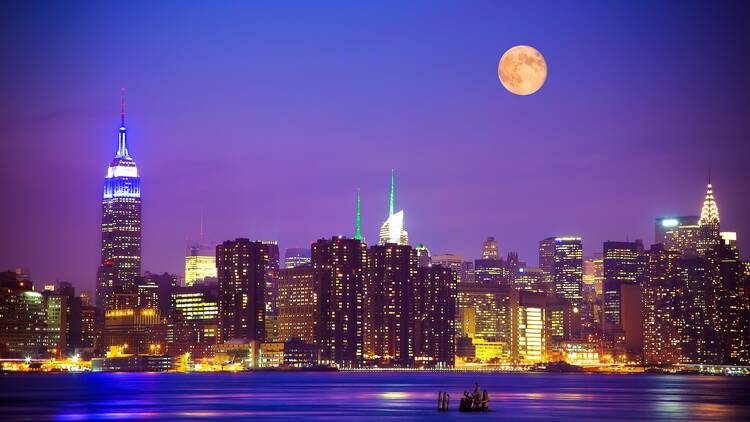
297, 304
568, 268
622, 265
120, 263
490, 249
296, 257
393, 230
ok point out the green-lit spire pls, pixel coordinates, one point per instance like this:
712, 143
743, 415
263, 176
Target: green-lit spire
358, 231
393, 193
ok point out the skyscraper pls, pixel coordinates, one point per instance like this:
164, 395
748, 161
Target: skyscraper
390, 286
547, 258
568, 268
434, 319
121, 222
393, 231
490, 249
298, 305
199, 266
709, 230
339, 266
242, 266
622, 265
661, 340
664, 225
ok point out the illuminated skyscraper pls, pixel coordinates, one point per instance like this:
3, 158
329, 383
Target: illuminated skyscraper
528, 327
121, 222
547, 258
393, 231
242, 267
434, 318
699, 338
664, 225
199, 266
709, 231
622, 265
339, 266
593, 273
489, 306
568, 268
661, 340
490, 249
298, 304
390, 288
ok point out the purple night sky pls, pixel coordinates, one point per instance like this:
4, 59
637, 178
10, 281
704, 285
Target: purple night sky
269, 116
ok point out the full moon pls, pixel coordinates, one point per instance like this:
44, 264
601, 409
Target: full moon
522, 70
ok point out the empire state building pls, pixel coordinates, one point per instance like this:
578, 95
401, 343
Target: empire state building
121, 223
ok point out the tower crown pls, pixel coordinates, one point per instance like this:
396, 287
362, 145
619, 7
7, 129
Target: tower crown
709, 211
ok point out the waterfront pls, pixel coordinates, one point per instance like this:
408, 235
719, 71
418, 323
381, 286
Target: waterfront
369, 396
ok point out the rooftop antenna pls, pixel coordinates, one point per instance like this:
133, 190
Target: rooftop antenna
122, 106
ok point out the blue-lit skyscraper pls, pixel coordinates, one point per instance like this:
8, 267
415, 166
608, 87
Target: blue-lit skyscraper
121, 223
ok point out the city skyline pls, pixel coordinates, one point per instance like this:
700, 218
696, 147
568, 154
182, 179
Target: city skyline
200, 157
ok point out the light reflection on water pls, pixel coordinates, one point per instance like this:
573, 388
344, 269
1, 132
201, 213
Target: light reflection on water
370, 396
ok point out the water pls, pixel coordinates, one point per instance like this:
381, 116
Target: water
370, 396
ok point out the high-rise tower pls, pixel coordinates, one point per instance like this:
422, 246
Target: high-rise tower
708, 224
393, 231
121, 222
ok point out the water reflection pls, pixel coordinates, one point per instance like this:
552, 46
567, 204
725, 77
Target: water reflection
374, 396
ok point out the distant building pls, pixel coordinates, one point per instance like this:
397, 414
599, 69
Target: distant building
490, 270
435, 316
547, 258
133, 363
622, 265
198, 268
568, 268
664, 225
454, 262
393, 230
23, 319
121, 223
488, 305
529, 279
339, 267
242, 267
195, 321
593, 273
527, 326
490, 249
423, 255
135, 331
296, 257
298, 304
389, 294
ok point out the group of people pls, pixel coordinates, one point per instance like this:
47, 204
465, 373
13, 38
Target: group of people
469, 402
476, 401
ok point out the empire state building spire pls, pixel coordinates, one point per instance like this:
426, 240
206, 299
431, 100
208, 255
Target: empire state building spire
122, 140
